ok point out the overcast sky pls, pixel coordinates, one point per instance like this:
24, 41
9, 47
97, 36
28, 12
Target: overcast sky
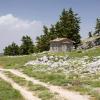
21, 17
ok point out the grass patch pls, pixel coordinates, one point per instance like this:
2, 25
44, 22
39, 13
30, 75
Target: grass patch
8, 93
19, 61
92, 83
84, 85
85, 90
75, 53
16, 61
81, 89
95, 95
41, 91
89, 52
54, 78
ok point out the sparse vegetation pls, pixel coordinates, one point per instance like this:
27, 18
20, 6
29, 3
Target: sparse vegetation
37, 69
15, 62
39, 90
85, 84
8, 93
51, 77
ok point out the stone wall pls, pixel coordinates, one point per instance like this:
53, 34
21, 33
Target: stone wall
59, 47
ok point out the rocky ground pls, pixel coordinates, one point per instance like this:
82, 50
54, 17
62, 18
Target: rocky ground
77, 65
54, 76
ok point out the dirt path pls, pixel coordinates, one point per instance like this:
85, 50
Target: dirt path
68, 95
26, 94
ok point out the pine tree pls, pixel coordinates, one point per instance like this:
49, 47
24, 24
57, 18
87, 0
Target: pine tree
90, 34
43, 40
69, 26
27, 46
12, 49
97, 28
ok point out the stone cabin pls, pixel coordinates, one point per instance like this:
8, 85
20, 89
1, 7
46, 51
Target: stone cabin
61, 45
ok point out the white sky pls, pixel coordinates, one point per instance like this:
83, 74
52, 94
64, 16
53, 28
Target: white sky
11, 26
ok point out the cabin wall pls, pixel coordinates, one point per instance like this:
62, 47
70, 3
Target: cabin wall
55, 47
67, 47
59, 47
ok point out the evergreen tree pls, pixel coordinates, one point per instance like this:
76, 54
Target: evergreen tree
52, 33
90, 34
45, 30
69, 26
27, 46
12, 49
43, 40
97, 28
